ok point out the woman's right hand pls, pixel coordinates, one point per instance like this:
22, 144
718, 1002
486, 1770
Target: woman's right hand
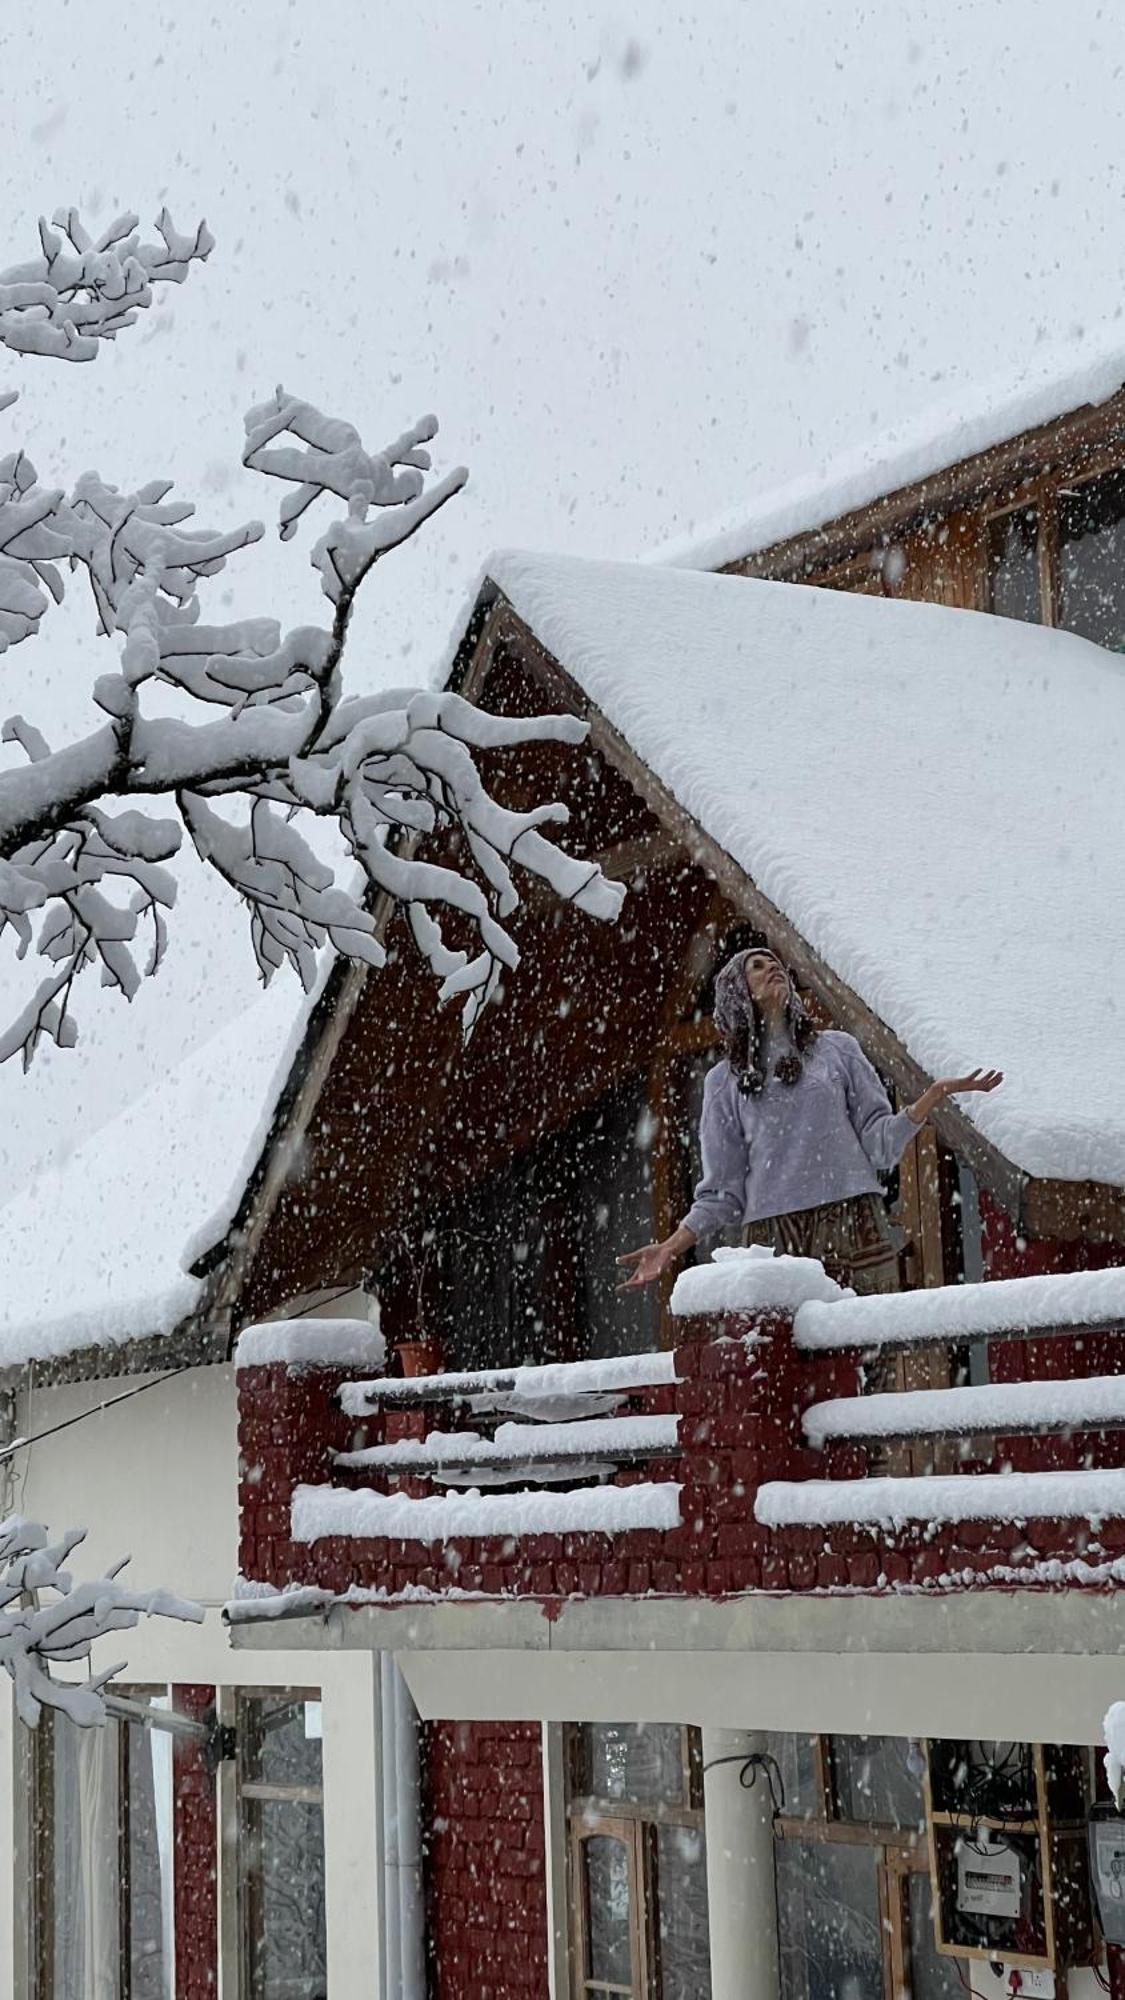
651, 1263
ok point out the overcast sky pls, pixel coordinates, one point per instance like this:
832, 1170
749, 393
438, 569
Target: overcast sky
643, 264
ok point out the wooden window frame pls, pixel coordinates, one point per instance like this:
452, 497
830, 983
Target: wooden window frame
1043, 494
899, 1853
253, 1792
41, 1850
636, 1825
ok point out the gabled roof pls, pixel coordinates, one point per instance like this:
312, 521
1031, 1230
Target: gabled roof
949, 433
931, 797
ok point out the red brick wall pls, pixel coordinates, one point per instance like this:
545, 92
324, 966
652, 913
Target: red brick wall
195, 1855
740, 1409
486, 1887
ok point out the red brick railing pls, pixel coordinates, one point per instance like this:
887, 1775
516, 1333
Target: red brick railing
739, 1406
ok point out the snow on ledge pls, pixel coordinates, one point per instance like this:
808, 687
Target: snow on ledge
1085, 1404
546, 1381
965, 1312
985, 1496
311, 1343
327, 1510
751, 1280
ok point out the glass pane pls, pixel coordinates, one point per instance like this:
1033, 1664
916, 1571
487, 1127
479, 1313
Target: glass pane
283, 1886
606, 1864
828, 1908
932, 1977
639, 1762
795, 1757
681, 1901
281, 1744
1013, 565
879, 1779
1091, 559
86, 1867
617, 1213
150, 1862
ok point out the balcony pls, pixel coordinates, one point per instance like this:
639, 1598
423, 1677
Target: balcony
765, 1454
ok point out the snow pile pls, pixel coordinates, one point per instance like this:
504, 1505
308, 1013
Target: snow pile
311, 1343
985, 1496
607, 1510
753, 1280
966, 1312
797, 725
97, 1251
1114, 1728
1062, 379
1084, 1405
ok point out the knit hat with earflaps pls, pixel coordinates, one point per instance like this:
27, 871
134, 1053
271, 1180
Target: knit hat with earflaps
739, 1021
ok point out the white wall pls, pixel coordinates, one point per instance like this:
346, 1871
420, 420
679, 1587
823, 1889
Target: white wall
155, 1478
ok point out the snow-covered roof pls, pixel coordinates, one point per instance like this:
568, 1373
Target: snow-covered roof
942, 436
97, 1250
932, 798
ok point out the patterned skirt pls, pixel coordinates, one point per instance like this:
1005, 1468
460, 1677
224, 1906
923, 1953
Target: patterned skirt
852, 1239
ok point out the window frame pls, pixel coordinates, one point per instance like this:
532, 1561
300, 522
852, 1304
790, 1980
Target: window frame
1043, 493
635, 1824
254, 1792
40, 1920
899, 1853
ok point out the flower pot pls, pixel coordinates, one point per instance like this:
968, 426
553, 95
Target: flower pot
420, 1357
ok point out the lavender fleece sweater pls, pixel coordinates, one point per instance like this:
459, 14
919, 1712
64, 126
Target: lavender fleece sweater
795, 1145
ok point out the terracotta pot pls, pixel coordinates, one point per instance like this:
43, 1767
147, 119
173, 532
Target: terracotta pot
420, 1357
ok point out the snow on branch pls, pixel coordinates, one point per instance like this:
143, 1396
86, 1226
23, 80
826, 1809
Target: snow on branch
46, 1620
78, 292
265, 742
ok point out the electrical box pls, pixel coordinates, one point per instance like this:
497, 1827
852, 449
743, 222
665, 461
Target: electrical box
1107, 1870
1007, 1833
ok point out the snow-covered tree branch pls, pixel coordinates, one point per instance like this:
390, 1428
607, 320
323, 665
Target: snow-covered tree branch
84, 879
46, 1619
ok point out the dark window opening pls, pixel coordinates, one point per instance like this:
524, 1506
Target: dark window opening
1092, 559
1013, 565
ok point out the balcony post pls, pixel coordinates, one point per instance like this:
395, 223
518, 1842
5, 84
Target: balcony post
741, 1897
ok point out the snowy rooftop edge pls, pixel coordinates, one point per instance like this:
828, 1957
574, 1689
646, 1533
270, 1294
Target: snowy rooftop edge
931, 443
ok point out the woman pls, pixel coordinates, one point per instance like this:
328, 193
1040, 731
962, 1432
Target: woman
795, 1130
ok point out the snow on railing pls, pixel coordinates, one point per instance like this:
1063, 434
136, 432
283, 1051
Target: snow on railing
1063, 1302
329, 1510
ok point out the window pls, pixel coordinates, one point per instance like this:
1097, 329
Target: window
853, 1883
101, 1916
638, 1863
1013, 565
1091, 561
281, 1846
524, 1268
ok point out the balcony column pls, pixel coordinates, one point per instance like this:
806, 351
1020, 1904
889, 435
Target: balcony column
741, 1897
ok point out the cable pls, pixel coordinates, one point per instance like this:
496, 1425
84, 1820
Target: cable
758, 1763
8, 1451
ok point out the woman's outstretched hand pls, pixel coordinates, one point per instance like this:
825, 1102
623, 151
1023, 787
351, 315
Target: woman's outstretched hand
952, 1086
651, 1263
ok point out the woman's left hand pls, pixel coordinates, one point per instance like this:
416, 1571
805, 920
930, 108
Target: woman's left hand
953, 1086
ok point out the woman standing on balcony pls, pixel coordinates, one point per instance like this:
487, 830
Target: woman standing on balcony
795, 1130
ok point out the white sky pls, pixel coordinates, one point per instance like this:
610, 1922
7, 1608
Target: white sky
641, 262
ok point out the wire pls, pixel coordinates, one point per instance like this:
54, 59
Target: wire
8, 1451
759, 1763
